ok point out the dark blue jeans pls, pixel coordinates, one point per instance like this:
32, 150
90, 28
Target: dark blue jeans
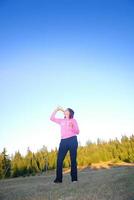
71, 145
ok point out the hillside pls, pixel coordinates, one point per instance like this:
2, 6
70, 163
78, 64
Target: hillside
116, 183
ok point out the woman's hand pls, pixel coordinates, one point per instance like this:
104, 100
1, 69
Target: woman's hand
59, 108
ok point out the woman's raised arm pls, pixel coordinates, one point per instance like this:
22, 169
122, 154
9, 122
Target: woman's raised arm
53, 118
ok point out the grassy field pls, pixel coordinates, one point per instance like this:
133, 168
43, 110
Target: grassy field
114, 183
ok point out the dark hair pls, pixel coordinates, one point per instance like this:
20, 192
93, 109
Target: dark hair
71, 113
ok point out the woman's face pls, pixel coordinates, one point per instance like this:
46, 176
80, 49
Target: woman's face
67, 114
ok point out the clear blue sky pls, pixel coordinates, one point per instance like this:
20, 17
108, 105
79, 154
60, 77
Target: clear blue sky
77, 54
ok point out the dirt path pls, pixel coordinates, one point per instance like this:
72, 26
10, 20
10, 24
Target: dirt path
104, 184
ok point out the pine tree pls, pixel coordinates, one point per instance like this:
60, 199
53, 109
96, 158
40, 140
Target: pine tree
5, 164
18, 165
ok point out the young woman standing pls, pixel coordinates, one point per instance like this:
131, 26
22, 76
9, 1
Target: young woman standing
69, 131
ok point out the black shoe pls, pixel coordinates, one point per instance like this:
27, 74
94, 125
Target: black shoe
57, 181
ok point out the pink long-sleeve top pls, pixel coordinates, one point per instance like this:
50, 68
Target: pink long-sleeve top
69, 127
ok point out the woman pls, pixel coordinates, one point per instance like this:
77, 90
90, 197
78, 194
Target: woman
69, 130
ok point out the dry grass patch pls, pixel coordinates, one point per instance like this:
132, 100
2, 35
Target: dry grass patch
114, 183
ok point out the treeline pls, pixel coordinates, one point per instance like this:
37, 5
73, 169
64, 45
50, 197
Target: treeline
43, 160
